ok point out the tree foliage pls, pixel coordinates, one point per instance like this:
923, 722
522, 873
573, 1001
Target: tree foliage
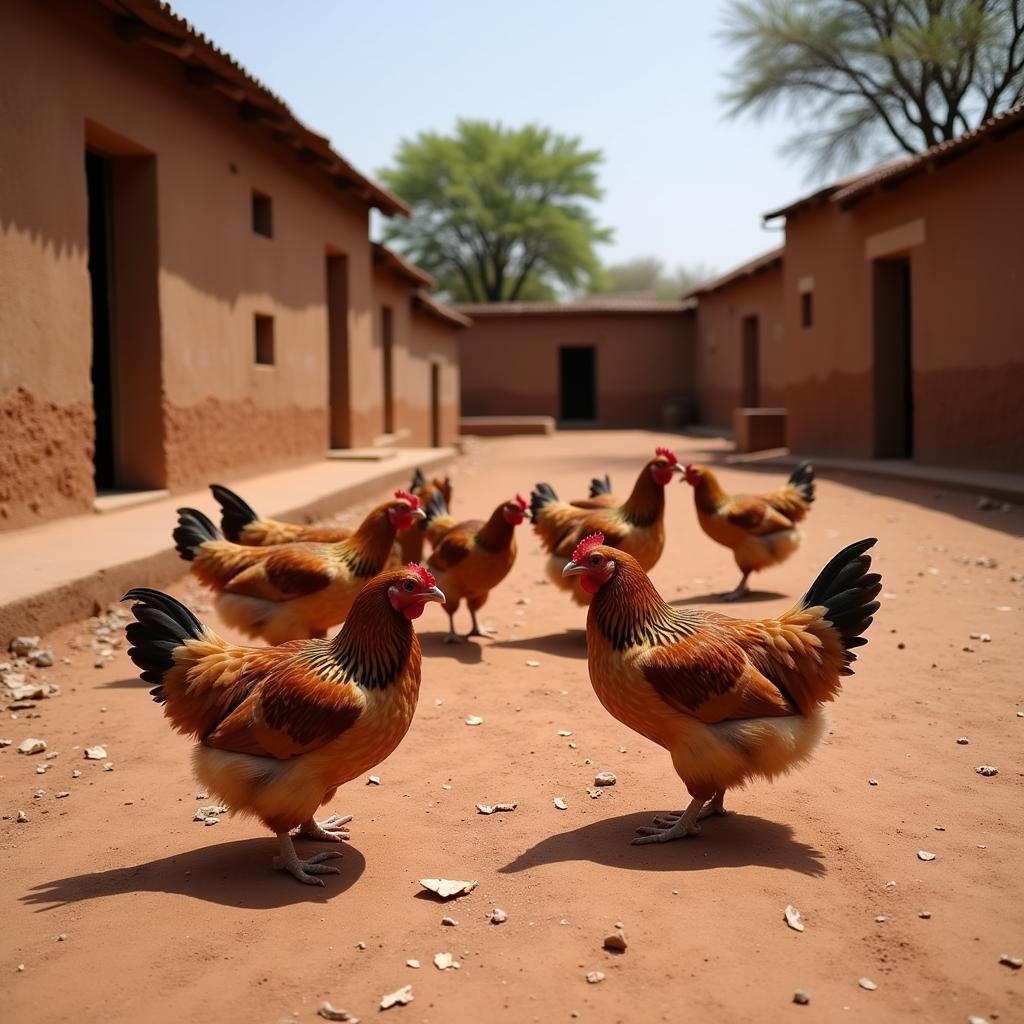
499, 213
876, 77
648, 276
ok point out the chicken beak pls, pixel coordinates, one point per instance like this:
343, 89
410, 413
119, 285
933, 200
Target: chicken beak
433, 594
417, 513
572, 569
676, 468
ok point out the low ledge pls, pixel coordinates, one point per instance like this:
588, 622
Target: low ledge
506, 426
755, 429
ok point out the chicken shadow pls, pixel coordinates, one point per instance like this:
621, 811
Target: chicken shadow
235, 874
569, 643
469, 652
717, 598
129, 683
732, 841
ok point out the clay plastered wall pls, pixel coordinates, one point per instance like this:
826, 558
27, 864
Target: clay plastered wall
433, 342
214, 271
967, 290
510, 364
720, 317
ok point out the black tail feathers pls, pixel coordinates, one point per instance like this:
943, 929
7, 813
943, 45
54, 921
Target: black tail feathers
436, 507
847, 591
235, 512
599, 486
162, 625
193, 530
541, 495
802, 478
418, 479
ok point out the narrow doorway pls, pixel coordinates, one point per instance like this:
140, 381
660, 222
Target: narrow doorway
387, 342
97, 181
893, 371
577, 377
750, 395
435, 405
337, 350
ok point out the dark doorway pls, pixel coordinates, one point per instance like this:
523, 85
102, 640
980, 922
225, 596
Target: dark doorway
750, 394
97, 180
337, 350
576, 383
894, 377
435, 405
387, 345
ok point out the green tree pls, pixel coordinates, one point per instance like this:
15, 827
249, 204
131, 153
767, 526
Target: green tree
498, 213
876, 77
646, 275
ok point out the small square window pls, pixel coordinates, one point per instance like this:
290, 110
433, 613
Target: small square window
263, 331
262, 214
806, 309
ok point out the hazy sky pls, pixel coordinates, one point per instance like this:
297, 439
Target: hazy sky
640, 82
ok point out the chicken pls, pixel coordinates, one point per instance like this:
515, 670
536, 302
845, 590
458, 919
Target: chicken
411, 542
760, 530
291, 591
600, 494
279, 729
637, 526
471, 558
243, 525
730, 699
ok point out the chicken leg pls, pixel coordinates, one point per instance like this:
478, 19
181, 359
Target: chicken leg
452, 637
667, 827
330, 829
304, 870
740, 591
716, 805
477, 629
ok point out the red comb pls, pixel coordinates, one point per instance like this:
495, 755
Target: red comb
413, 501
424, 574
666, 453
586, 544
521, 502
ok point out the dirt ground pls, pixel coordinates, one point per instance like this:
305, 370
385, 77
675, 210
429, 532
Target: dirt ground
117, 906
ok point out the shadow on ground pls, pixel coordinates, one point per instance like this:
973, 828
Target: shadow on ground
733, 841
749, 598
569, 643
236, 874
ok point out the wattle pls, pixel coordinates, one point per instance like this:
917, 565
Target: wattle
413, 611
590, 584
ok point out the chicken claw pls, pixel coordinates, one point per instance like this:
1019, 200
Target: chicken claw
667, 827
304, 870
716, 805
452, 638
329, 829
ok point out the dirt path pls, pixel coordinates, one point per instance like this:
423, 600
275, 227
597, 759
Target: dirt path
165, 919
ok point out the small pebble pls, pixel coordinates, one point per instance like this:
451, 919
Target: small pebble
801, 998
63, 793
605, 779
564, 732
924, 914
95, 753
63, 937
21, 818
373, 780
880, 919
616, 940
449, 922
533, 664
867, 983
1011, 961
360, 945
414, 964
872, 782
75, 773
498, 916
962, 740
593, 977
925, 855
328, 1012
561, 804
32, 746
987, 770
474, 720
793, 919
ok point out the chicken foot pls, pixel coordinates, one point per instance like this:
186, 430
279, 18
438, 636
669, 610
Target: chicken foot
667, 827
716, 805
330, 829
452, 637
741, 589
479, 630
304, 870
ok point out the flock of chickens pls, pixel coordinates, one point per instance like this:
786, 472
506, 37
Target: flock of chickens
280, 728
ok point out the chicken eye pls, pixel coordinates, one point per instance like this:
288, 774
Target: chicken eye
595, 559
410, 586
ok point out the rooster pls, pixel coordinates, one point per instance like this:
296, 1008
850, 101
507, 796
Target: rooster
240, 522
279, 729
760, 530
291, 591
636, 526
471, 558
729, 699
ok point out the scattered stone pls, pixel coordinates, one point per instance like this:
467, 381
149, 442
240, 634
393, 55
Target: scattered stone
444, 961
75, 773
373, 780
561, 804
41, 769
446, 888
533, 664
793, 919
985, 638
889, 885
985, 562
925, 855
32, 691
605, 779
414, 964
6, 743
881, 919
976, 1020
593, 977
400, 997
508, 805
360, 945
968, 648
51, 754
564, 732
474, 720
962, 740
95, 753
616, 940
801, 998
23, 646
328, 1012
498, 916
21, 818
593, 793
63, 793
63, 937
1011, 961
41, 658
867, 983
987, 770
32, 746
449, 922
924, 914
872, 782
210, 815
109, 766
